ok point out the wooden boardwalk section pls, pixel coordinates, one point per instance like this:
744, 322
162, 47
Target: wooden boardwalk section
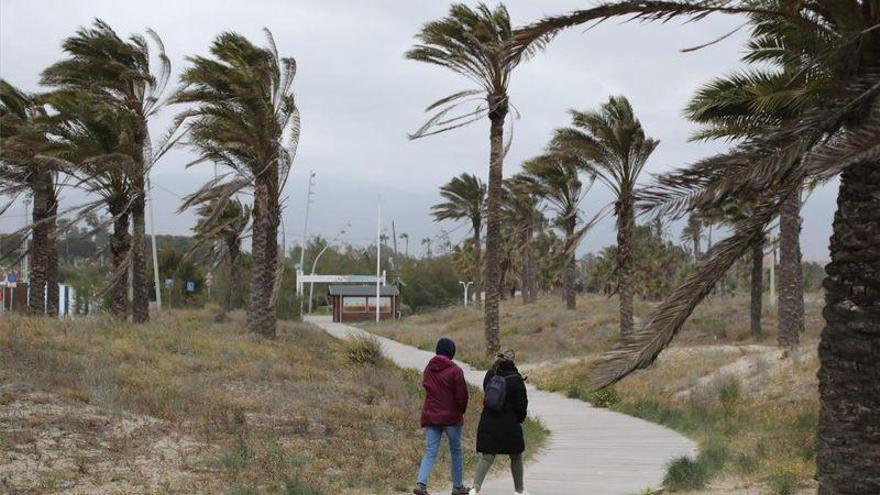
589, 451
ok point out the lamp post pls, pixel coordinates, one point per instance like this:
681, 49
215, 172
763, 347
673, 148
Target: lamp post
466, 285
315, 263
302, 249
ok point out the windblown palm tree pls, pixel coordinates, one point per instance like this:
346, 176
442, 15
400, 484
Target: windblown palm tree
554, 178
223, 229
22, 126
838, 45
92, 145
125, 75
245, 119
611, 145
465, 198
523, 214
693, 233
477, 43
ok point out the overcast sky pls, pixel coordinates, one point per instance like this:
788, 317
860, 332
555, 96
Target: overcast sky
359, 97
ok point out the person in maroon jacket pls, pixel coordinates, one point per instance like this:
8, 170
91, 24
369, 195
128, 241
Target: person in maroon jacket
443, 412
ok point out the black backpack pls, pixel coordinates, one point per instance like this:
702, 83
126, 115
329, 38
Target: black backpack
496, 393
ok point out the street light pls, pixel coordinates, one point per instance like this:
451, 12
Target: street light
465, 285
305, 238
315, 263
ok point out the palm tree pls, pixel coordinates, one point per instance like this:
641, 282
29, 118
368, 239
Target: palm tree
405, 237
523, 214
91, 144
224, 228
22, 125
554, 178
477, 43
245, 118
464, 198
838, 46
693, 232
611, 145
426, 247
120, 73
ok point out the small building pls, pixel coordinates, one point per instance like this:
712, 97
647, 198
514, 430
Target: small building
352, 303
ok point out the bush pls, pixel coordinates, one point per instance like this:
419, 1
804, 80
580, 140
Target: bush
685, 473
729, 395
606, 397
783, 482
363, 349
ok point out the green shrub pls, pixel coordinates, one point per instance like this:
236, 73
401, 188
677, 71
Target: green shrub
783, 482
363, 349
685, 473
745, 463
729, 395
606, 397
294, 486
714, 455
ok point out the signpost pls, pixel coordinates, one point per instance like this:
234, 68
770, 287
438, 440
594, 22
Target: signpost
169, 282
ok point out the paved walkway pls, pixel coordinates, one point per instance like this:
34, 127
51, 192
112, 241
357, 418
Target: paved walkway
589, 451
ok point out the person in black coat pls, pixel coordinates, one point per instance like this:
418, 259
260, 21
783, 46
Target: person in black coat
500, 432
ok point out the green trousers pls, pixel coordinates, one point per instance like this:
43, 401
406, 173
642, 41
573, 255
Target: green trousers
516, 469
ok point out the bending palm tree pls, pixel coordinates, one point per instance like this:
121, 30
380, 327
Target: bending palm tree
840, 42
92, 146
610, 144
523, 214
554, 178
245, 119
24, 137
228, 228
477, 43
119, 73
465, 197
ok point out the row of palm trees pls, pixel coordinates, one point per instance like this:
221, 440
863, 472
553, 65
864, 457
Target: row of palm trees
90, 130
805, 110
608, 145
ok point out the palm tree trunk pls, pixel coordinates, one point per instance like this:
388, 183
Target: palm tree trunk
140, 304
52, 256
233, 295
757, 287
493, 222
478, 262
569, 294
848, 451
120, 243
528, 273
261, 317
625, 225
791, 285
39, 244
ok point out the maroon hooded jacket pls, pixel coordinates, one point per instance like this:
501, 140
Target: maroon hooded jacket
447, 397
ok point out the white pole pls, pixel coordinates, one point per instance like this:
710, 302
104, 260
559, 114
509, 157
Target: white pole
772, 271
378, 254
302, 248
25, 269
157, 287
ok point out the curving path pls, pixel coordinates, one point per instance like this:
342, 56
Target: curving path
589, 450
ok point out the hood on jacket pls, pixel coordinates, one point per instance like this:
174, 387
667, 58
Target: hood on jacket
439, 363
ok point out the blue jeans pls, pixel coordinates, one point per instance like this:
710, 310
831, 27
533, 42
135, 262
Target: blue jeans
433, 435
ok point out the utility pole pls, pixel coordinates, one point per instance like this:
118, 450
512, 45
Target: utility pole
772, 271
156, 287
25, 269
302, 246
378, 255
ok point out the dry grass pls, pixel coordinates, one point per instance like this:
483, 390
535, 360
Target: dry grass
187, 405
753, 412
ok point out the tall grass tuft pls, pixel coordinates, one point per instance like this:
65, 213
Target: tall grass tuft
363, 350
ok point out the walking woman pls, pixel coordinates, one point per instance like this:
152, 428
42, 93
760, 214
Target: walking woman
500, 431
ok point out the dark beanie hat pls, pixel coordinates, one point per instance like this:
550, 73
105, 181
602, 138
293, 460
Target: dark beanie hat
446, 347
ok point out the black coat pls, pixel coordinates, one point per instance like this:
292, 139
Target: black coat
500, 432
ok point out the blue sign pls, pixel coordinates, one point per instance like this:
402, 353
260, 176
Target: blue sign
190, 286
11, 278
169, 282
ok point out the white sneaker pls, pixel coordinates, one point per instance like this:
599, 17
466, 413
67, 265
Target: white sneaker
521, 493
473, 492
